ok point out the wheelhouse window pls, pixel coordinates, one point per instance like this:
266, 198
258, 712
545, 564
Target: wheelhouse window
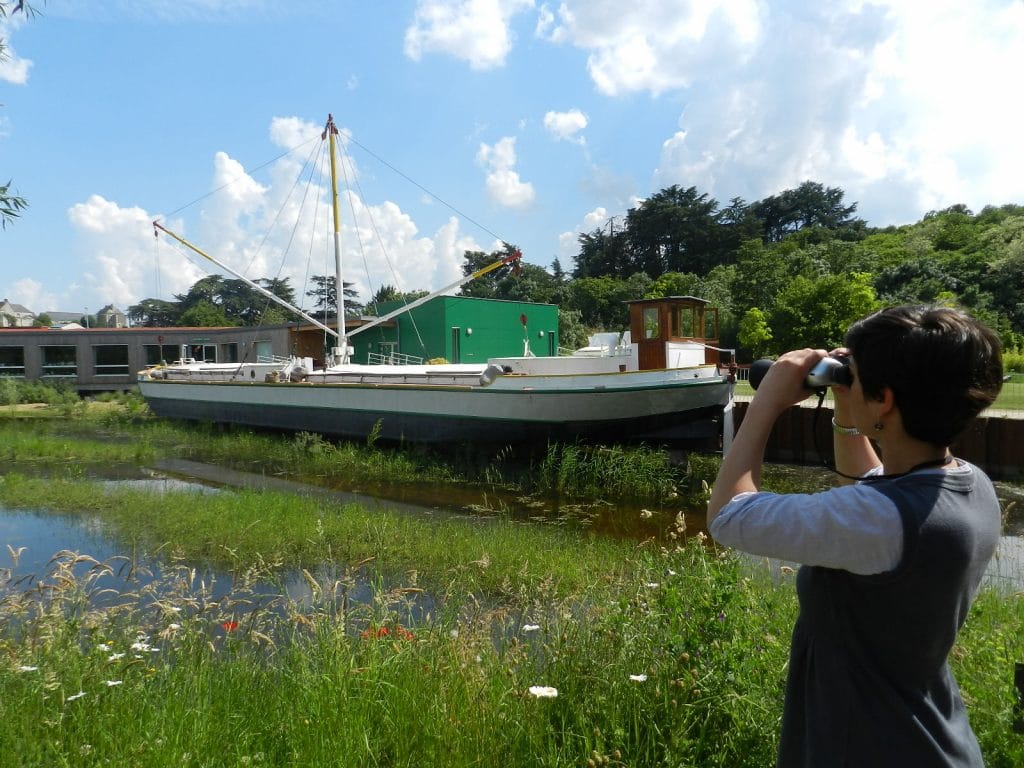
12, 361
710, 323
111, 359
683, 323
651, 323
60, 361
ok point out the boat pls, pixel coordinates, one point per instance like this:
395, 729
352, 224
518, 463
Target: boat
662, 381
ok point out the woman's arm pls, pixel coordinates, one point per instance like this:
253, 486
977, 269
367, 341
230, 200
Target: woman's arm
781, 387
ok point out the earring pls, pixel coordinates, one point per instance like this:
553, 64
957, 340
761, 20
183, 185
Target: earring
879, 426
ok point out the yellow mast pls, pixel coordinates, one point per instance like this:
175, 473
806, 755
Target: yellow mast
342, 351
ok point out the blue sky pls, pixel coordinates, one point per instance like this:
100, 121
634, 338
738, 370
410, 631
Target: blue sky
532, 121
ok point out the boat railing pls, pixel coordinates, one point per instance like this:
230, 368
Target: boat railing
272, 360
393, 358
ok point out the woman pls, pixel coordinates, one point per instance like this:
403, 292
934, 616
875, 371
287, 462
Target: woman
892, 561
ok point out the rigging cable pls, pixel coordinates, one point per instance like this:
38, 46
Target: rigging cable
380, 241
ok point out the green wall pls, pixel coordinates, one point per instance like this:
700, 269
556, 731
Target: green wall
495, 325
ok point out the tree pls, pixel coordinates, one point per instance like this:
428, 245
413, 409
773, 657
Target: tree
154, 313
816, 313
325, 294
500, 282
603, 254
809, 205
675, 230
754, 333
205, 314
11, 205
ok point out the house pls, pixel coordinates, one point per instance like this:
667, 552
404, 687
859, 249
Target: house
15, 315
111, 317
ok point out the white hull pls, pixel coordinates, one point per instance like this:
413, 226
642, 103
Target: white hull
460, 403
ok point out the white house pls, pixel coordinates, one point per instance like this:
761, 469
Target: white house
15, 315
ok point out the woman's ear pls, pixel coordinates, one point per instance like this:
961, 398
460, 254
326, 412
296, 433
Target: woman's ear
887, 401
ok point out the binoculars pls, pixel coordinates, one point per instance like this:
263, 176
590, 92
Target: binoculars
828, 372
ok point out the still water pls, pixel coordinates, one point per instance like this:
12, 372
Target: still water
33, 538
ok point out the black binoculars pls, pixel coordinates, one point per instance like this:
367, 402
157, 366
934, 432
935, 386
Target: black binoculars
829, 371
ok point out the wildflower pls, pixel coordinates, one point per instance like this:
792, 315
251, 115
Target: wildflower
374, 632
543, 691
103, 647
229, 625
174, 627
74, 696
531, 627
27, 668
112, 683
115, 656
139, 645
652, 585
641, 678
646, 514
454, 634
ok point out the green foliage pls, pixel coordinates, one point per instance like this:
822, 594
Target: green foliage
11, 205
816, 313
754, 333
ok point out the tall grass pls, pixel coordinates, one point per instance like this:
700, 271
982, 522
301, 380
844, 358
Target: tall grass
675, 657
661, 654
100, 435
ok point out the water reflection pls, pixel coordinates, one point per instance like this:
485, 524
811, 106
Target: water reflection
40, 536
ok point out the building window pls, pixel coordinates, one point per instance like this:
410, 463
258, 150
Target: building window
111, 359
156, 354
60, 361
228, 353
203, 353
12, 361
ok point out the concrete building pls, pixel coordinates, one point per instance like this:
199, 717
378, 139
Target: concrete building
455, 328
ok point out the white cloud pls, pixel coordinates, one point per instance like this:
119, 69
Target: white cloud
476, 31
654, 45
568, 242
264, 230
906, 106
123, 263
503, 183
14, 69
566, 126
30, 293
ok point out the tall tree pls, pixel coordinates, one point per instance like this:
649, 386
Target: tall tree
809, 205
497, 284
325, 295
675, 230
154, 313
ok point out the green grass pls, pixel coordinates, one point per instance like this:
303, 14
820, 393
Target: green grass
662, 654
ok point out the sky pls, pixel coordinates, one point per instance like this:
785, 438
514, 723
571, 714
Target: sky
468, 123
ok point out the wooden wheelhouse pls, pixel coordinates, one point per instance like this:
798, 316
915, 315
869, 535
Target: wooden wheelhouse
674, 332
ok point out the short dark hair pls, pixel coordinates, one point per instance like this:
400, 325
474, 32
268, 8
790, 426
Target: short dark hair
942, 365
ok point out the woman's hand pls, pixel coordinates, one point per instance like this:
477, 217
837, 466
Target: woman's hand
784, 383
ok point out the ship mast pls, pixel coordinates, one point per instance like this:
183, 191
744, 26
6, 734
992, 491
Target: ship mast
342, 352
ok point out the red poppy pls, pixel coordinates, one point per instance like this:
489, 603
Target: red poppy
229, 625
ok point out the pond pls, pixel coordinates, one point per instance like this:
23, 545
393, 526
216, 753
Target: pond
33, 538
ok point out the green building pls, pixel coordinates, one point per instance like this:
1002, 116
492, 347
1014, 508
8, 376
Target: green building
463, 329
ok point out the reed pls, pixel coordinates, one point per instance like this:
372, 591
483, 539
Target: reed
675, 657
